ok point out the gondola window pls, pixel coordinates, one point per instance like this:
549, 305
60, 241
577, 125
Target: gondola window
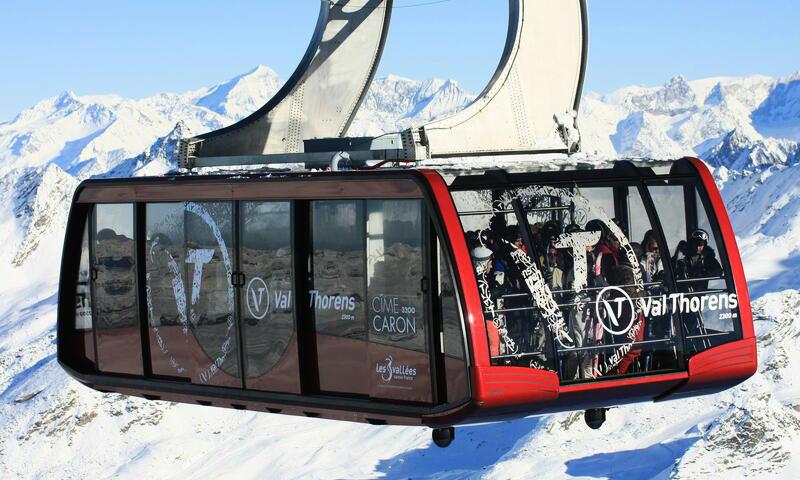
564, 285
267, 311
189, 294
117, 332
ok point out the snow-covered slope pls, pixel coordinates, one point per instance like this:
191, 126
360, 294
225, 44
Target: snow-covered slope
51, 427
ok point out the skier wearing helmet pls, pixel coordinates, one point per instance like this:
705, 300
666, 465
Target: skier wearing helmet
699, 261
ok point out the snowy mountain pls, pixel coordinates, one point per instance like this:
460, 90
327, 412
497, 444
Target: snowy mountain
241, 95
691, 117
746, 128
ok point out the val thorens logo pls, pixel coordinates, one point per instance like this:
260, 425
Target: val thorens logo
613, 309
257, 298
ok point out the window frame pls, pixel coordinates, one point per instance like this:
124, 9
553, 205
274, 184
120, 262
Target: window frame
504, 181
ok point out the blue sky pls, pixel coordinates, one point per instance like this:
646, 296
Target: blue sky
139, 48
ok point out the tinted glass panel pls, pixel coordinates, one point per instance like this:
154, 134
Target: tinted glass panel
639, 228
81, 336
337, 296
452, 333
118, 337
671, 210
513, 337
397, 318
709, 305
566, 292
190, 296
83, 297
267, 303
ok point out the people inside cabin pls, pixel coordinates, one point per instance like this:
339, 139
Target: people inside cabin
622, 275
525, 327
547, 234
646, 329
514, 237
652, 275
698, 260
651, 263
578, 312
522, 329
482, 262
612, 267
606, 252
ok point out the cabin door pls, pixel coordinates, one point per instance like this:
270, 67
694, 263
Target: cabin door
367, 297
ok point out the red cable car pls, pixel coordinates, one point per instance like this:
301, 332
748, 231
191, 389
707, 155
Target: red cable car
408, 295
391, 297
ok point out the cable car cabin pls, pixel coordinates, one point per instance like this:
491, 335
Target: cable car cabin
393, 297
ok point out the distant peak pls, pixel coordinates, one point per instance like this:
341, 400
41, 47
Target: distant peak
678, 82
450, 83
53, 171
180, 130
261, 70
67, 94
392, 78
66, 97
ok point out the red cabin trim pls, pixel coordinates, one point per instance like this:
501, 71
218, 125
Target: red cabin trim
729, 238
730, 361
624, 382
462, 267
505, 386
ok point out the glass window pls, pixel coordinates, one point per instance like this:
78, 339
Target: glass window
455, 365
83, 296
706, 300
640, 229
270, 342
368, 296
488, 223
190, 296
568, 294
81, 344
397, 318
601, 200
395, 273
337, 295
708, 304
119, 348
670, 207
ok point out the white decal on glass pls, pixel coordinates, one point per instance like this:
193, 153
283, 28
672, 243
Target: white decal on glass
197, 257
578, 242
614, 309
258, 300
